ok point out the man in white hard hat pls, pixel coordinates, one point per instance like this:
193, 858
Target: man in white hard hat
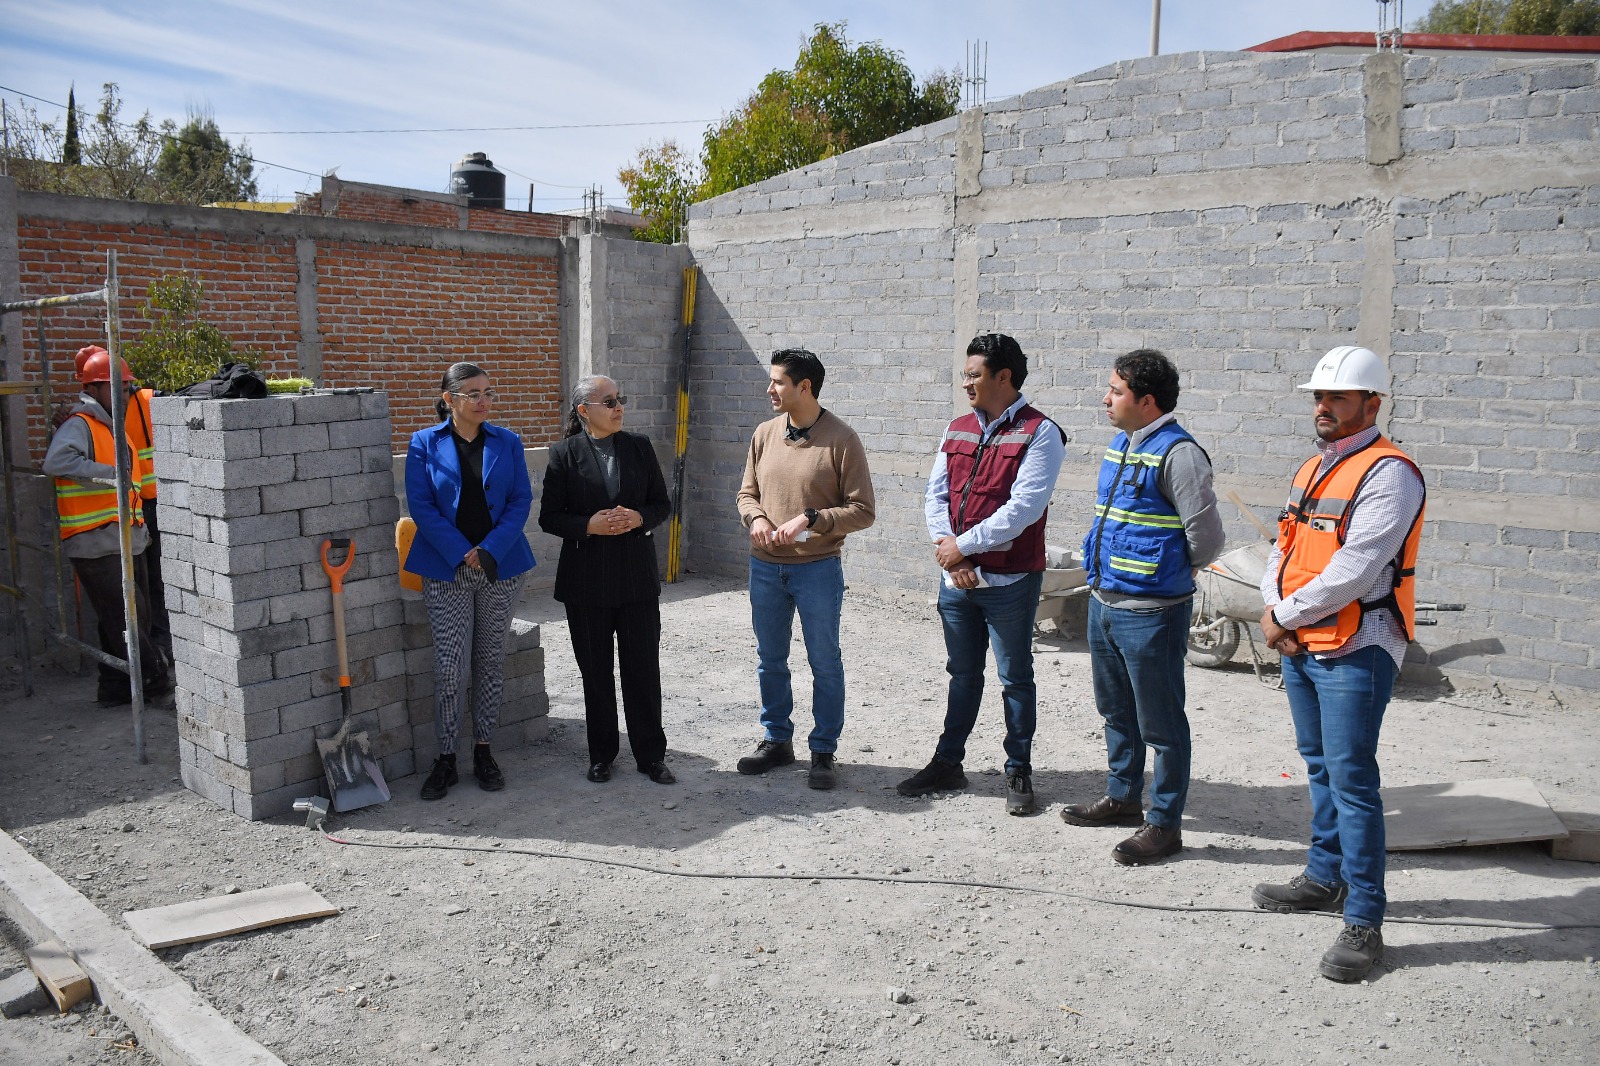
1340, 592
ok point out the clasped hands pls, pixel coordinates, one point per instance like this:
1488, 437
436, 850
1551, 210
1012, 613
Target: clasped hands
1279, 639
614, 521
766, 536
951, 561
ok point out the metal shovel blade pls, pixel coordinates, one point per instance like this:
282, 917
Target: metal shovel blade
354, 779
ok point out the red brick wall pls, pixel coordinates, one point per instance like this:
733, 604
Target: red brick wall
442, 307
363, 205
250, 292
391, 316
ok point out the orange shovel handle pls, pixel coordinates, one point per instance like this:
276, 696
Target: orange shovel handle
336, 573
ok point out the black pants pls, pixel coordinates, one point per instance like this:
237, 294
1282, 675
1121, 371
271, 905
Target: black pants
160, 626
636, 629
102, 583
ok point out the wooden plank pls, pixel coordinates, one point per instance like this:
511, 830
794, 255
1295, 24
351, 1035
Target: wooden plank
1583, 836
1458, 814
207, 919
60, 974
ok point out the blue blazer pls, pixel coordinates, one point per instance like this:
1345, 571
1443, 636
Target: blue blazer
433, 491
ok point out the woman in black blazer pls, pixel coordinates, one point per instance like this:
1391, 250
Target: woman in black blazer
603, 494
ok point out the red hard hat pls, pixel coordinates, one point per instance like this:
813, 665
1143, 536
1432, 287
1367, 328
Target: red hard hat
83, 357
97, 368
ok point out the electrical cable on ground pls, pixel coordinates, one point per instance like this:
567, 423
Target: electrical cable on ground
943, 882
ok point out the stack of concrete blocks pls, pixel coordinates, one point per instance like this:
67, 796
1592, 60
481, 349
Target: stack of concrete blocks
250, 489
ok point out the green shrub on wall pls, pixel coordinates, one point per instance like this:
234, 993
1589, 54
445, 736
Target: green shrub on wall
180, 348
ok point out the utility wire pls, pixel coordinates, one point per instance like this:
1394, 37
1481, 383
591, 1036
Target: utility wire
943, 882
175, 138
479, 129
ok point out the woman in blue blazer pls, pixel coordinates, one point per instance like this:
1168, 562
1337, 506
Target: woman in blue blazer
468, 491
603, 494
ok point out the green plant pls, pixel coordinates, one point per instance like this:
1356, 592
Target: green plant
180, 348
280, 385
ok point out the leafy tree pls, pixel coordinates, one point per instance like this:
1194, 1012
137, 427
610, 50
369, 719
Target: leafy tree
123, 154
179, 348
198, 165
836, 98
839, 96
1528, 17
71, 150
661, 183
125, 161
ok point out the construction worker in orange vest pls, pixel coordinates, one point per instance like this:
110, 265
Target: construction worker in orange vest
141, 436
82, 449
1340, 597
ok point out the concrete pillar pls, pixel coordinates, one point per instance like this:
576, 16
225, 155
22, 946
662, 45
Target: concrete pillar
1382, 83
969, 166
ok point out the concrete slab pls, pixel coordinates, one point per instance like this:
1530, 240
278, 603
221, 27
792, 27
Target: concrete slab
173, 1023
1467, 814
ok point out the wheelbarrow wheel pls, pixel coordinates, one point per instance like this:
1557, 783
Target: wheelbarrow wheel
1213, 648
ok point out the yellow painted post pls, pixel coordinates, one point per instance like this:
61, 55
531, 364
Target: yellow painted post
691, 277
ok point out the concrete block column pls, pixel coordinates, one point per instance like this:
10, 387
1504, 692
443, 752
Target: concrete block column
249, 491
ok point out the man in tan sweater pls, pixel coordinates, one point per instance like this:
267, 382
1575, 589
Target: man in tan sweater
806, 485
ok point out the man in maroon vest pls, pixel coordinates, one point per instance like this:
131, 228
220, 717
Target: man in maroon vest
985, 508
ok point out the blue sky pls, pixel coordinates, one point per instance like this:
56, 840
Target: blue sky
263, 66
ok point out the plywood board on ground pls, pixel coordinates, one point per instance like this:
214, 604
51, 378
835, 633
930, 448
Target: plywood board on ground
60, 974
1583, 835
207, 919
1458, 814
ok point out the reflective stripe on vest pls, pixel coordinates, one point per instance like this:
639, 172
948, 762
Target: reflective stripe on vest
1137, 545
141, 435
1313, 527
85, 507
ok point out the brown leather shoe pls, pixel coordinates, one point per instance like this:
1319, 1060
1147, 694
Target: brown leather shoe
1103, 811
1151, 843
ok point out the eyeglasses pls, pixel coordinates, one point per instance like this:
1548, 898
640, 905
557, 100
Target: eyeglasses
972, 375
612, 402
477, 395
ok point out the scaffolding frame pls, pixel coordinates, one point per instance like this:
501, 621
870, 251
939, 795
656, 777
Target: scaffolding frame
108, 296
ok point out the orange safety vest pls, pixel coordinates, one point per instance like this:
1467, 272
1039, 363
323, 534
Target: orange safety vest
136, 420
85, 507
1313, 527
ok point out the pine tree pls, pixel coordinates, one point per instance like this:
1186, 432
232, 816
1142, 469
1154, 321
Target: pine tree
71, 151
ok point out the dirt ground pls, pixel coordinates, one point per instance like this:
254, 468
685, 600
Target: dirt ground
496, 957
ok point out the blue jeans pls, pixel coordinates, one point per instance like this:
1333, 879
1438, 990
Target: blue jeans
1137, 660
1338, 707
816, 590
975, 619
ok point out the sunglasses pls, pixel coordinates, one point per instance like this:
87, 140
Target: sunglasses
612, 402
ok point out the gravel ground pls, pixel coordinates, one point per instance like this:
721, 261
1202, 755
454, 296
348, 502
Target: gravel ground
571, 955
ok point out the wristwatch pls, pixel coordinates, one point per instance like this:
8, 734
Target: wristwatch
811, 516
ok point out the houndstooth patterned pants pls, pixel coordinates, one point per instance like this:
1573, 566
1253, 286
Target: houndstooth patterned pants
471, 603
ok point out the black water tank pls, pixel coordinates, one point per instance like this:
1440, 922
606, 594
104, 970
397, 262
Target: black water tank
476, 177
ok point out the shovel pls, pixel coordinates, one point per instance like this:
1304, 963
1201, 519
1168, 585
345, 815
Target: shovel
354, 779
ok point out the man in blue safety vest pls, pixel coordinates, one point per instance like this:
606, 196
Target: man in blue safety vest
1155, 523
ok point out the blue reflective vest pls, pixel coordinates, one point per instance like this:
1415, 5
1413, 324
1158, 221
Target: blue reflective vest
1136, 546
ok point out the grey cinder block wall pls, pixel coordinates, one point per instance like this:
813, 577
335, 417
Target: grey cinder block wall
250, 489
1244, 213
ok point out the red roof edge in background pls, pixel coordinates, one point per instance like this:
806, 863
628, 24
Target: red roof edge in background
1307, 40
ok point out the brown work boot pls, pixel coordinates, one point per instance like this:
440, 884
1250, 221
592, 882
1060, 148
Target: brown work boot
1103, 811
1151, 843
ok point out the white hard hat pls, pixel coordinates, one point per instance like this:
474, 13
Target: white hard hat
1348, 368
